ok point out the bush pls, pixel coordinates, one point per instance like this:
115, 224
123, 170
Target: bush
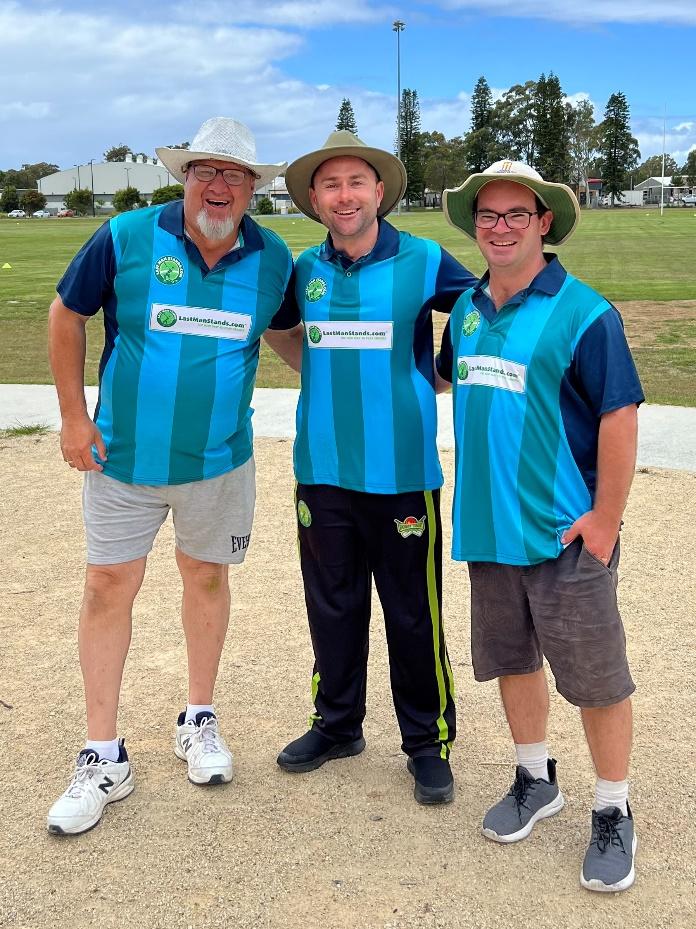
33, 200
265, 207
166, 194
9, 200
79, 200
126, 199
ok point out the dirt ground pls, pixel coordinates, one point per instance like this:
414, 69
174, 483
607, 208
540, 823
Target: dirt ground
345, 847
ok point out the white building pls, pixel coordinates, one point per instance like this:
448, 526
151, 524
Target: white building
105, 178
653, 186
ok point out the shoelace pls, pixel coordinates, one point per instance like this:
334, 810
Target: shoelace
606, 833
85, 771
519, 791
206, 736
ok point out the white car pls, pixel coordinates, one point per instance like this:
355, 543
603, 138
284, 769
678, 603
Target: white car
41, 214
16, 214
689, 200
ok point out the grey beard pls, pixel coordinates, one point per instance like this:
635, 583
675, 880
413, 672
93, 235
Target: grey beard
215, 229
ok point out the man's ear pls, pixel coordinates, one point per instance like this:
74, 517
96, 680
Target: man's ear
545, 222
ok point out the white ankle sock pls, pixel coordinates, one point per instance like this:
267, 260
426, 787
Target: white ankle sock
193, 709
534, 757
107, 749
611, 793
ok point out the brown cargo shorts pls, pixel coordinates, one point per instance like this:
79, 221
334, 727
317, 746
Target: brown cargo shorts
563, 609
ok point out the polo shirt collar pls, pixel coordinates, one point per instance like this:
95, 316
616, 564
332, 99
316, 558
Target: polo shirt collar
548, 281
386, 246
171, 219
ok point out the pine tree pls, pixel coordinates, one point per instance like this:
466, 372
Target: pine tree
346, 117
480, 140
552, 136
618, 149
412, 146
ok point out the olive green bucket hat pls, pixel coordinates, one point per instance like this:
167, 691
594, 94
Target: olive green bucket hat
560, 199
340, 144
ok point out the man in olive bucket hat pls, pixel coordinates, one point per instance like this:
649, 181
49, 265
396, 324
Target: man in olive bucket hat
186, 290
545, 403
366, 463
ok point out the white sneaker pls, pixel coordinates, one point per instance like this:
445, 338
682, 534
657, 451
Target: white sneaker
199, 743
95, 783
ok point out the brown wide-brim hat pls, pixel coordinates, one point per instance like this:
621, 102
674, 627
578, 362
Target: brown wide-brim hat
341, 144
560, 199
221, 139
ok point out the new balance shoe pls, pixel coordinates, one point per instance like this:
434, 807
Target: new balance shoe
433, 779
313, 749
608, 865
199, 743
527, 801
95, 783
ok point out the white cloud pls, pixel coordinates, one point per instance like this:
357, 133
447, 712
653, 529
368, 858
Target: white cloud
20, 110
583, 12
308, 14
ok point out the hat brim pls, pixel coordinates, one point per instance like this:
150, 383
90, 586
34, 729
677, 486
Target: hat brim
176, 159
391, 172
559, 198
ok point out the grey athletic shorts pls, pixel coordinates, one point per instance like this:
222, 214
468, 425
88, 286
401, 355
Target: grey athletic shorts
212, 518
564, 609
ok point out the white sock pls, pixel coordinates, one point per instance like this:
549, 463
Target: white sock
193, 709
534, 757
611, 793
107, 749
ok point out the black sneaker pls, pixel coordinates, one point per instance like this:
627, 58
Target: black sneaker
433, 777
314, 748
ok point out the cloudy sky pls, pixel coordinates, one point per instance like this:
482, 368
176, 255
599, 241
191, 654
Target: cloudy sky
78, 77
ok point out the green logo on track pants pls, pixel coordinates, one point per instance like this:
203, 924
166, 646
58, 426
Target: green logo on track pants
303, 514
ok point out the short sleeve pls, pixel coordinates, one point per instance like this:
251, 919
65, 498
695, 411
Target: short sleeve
603, 366
88, 282
288, 315
443, 361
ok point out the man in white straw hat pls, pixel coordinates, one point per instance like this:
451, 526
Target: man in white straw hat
545, 403
187, 289
368, 492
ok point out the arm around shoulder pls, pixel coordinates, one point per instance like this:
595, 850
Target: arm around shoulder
287, 344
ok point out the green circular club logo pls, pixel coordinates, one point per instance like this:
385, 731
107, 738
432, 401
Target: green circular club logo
462, 370
166, 318
169, 270
314, 334
471, 322
315, 290
303, 514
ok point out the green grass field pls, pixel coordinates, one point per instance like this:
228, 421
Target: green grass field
628, 255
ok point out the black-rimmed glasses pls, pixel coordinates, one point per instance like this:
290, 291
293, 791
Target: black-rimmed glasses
514, 219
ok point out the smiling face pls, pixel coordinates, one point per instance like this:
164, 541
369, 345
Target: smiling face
513, 252
346, 195
215, 208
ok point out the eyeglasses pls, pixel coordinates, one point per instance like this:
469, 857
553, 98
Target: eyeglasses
233, 177
514, 219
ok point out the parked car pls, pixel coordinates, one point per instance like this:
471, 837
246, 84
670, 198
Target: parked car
16, 214
689, 200
41, 214
65, 213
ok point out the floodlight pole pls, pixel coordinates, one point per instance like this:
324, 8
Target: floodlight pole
662, 185
91, 174
398, 27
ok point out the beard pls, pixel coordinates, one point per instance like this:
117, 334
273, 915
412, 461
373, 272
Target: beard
214, 229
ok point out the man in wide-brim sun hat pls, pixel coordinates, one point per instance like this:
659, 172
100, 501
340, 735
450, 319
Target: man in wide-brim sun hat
366, 463
545, 396
187, 289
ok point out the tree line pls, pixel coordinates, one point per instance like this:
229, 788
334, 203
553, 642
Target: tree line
535, 123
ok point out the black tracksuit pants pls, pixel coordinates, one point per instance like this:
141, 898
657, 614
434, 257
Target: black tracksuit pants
345, 538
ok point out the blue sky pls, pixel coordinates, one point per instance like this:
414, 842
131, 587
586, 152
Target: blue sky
78, 77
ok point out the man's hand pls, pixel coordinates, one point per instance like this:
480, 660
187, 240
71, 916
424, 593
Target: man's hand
599, 535
77, 436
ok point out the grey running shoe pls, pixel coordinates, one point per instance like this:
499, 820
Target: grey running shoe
528, 801
608, 864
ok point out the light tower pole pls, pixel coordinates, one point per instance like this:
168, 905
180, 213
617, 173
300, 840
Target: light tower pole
398, 27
